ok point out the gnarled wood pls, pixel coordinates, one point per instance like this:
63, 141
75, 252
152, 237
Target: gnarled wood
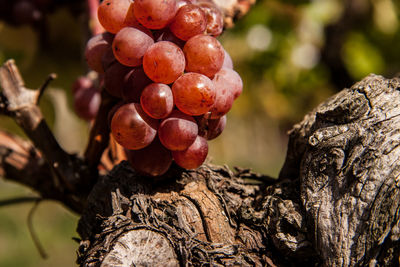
336, 202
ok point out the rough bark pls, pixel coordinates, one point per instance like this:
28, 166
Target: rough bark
336, 202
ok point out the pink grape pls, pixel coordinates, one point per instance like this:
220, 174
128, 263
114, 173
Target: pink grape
194, 93
130, 44
178, 131
224, 95
157, 100
154, 14
164, 62
189, 21
96, 47
132, 128
116, 14
204, 54
193, 156
231, 79
153, 160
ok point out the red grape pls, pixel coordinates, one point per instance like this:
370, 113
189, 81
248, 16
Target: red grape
96, 47
157, 100
136, 81
211, 128
130, 44
224, 95
153, 160
154, 14
215, 21
115, 78
116, 14
178, 131
164, 62
231, 79
87, 103
193, 156
132, 128
204, 54
189, 21
194, 93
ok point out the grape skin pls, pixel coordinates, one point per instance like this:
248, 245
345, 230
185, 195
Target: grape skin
230, 79
132, 128
189, 21
95, 49
193, 156
224, 95
157, 100
130, 44
215, 22
178, 131
87, 103
154, 14
211, 128
204, 54
114, 15
164, 62
194, 93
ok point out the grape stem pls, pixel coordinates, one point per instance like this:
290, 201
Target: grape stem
63, 173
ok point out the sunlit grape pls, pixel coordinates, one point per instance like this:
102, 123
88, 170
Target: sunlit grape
132, 128
154, 14
204, 54
178, 131
189, 21
193, 156
116, 14
130, 44
157, 100
164, 62
194, 93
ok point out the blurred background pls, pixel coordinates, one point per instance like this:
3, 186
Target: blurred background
291, 55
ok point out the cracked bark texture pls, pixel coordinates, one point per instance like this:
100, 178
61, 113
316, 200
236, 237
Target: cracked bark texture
335, 203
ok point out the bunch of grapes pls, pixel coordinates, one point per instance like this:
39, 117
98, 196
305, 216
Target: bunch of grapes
175, 80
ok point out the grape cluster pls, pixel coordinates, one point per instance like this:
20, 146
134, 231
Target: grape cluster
175, 80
